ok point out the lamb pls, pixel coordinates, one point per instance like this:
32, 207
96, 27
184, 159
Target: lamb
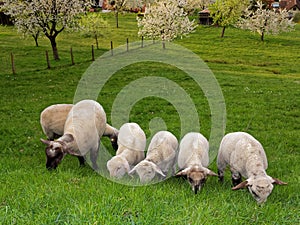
84, 126
246, 157
132, 143
53, 119
161, 157
193, 160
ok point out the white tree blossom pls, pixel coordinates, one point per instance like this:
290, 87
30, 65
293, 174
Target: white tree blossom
192, 6
266, 21
165, 20
49, 16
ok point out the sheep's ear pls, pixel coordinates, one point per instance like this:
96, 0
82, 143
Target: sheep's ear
71, 152
277, 181
240, 185
183, 172
46, 142
211, 173
132, 171
158, 170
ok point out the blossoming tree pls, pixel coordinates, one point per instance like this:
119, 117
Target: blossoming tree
165, 20
49, 16
265, 21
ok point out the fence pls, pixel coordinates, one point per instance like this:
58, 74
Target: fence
11, 62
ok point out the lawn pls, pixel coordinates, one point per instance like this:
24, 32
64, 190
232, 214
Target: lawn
260, 85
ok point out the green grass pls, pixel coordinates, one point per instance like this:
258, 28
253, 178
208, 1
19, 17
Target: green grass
260, 83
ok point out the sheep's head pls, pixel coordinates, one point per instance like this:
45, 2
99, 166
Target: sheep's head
196, 176
117, 167
259, 187
55, 152
146, 171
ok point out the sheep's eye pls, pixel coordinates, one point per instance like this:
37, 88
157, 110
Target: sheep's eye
254, 193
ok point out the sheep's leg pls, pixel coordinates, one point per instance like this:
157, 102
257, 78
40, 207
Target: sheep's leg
81, 160
112, 133
93, 157
236, 178
221, 164
174, 169
221, 175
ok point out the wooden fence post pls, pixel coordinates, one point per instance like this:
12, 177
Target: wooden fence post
142, 42
47, 59
93, 53
111, 48
127, 45
13, 63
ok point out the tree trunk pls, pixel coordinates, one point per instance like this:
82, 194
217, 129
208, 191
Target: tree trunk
35, 37
36, 41
223, 32
262, 36
54, 47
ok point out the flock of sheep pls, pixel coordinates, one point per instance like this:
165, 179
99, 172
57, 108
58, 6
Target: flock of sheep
78, 129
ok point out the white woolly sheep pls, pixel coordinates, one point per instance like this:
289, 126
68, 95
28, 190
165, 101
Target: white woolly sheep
132, 143
53, 120
160, 159
84, 126
246, 157
193, 160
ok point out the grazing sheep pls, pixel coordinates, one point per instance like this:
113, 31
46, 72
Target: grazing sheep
160, 158
84, 126
53, 119
246, 157
132, 143
193, 160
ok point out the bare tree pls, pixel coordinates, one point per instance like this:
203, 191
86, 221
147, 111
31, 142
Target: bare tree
265, 21
49, 16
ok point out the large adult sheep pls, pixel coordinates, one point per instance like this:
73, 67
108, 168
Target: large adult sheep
246, 157
84, 126
53, 118
160, 159
193, 160
131, 150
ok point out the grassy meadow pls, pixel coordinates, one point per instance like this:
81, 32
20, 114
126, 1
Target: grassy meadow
260, 82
